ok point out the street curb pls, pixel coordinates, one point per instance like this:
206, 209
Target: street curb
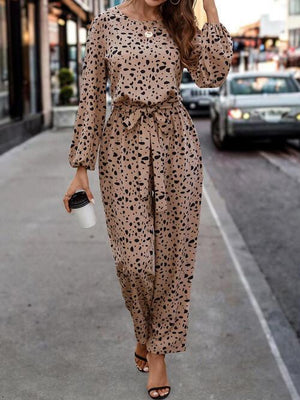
281, 338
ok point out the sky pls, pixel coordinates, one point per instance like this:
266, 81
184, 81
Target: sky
236, 13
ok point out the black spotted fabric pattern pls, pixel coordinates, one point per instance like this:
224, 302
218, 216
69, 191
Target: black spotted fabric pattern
149, 163
214, 50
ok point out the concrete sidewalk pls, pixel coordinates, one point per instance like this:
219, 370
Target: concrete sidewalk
65, 331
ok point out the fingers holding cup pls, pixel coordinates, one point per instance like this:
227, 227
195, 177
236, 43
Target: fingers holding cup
66, 199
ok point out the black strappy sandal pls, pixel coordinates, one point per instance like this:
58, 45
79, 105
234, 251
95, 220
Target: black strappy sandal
143, 359
159, 396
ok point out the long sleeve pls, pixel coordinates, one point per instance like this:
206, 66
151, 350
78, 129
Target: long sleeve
214, 49
91, 112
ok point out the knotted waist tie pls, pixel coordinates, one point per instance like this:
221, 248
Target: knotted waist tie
152, 119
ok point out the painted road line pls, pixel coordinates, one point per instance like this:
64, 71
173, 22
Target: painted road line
234, 243
287, 161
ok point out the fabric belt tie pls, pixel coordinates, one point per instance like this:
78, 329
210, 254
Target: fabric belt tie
152, 120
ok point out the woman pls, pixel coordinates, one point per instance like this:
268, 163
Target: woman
150, 164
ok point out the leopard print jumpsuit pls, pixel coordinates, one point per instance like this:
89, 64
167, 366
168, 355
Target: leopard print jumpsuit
149, 160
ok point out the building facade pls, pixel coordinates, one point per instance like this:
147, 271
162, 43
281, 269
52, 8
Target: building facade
20, 83
37, 39
293, 23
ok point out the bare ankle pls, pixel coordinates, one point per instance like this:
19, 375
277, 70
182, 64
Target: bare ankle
156, 356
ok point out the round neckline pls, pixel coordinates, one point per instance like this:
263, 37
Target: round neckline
136, 20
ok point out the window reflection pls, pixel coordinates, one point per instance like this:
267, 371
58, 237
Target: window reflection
4, 87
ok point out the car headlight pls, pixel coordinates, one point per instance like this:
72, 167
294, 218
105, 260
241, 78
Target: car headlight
298, 117
235, 113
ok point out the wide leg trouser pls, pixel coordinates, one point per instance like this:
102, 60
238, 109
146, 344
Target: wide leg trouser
154, 252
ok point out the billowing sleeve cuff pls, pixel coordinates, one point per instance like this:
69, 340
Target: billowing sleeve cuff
214, 50
90, 117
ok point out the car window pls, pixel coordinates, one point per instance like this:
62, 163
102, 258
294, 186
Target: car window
262, 84
186, 77
223, 90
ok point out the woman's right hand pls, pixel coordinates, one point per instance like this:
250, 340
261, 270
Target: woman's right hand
80, 181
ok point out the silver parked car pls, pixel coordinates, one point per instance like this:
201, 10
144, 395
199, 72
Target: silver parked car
256, 105
196, 100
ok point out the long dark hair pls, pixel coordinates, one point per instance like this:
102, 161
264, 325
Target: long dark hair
181, 23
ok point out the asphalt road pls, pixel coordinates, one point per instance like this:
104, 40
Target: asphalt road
260, 185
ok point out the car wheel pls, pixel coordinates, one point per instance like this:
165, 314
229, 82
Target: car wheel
223, 143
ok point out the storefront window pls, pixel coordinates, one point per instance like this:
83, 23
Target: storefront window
4, 88
30, 62
294, 7
53, 24
68, 34
294, 35
72, 52
82, 41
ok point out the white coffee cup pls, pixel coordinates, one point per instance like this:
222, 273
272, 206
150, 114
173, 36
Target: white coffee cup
83, 209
